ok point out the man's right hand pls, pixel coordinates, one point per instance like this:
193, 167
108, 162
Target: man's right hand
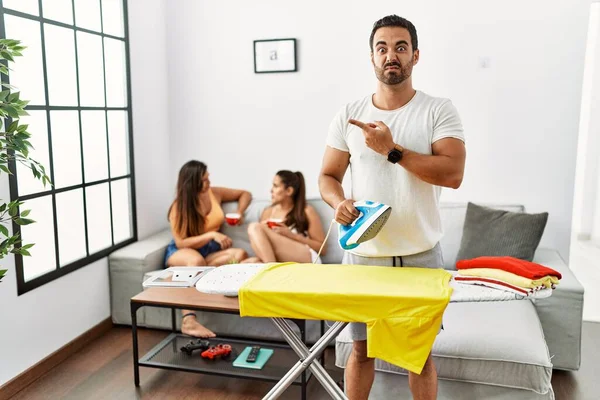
345, 212
224, 240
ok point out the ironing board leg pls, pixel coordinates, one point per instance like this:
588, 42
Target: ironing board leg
307, 358
316, 368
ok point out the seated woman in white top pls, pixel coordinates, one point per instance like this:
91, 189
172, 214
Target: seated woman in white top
289, 229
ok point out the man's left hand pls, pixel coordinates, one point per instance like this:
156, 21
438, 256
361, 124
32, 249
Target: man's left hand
378, 136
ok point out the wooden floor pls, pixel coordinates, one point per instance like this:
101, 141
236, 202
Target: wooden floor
104, 370
585, 383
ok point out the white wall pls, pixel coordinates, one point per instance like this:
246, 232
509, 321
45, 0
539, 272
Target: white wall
41, 321
585, 242
150, 103
520, 114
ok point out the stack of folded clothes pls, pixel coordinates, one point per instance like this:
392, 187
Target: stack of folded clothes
507, 273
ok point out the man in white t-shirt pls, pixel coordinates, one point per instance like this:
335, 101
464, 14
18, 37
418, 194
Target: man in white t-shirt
402, 147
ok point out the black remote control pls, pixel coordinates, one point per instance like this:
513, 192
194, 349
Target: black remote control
253, 354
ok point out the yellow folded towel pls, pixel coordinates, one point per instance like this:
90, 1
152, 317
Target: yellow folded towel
509, 277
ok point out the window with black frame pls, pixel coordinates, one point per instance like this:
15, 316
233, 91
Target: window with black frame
75, 72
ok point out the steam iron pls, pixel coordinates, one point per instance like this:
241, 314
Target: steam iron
372, 218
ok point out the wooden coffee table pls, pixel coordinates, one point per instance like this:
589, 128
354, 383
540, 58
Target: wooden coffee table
167, 354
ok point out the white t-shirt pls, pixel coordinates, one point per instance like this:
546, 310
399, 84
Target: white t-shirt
414, 225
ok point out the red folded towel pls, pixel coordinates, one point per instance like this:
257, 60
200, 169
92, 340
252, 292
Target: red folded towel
517, 266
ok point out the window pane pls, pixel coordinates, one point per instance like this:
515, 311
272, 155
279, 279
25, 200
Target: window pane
66, 151
38, 127
95, 161
91, 70
71, 226
112, 17
121, 210
60, 64
58, 10
26, 6
118, 136
87, 14
114, 54
98, 217
43, 256
27, 72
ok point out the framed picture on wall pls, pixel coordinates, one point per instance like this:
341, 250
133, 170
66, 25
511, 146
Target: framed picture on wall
275, 55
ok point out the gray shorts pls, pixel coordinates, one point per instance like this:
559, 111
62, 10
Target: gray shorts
427, 259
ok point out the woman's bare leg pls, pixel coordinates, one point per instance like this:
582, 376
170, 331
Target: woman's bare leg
251, 260
260, 242
189, 325
186, 258
270, 246
227, 256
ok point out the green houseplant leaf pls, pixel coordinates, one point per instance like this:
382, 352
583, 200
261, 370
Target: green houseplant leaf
15, 147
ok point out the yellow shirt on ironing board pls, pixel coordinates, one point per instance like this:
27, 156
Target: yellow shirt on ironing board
402, 307
214, 219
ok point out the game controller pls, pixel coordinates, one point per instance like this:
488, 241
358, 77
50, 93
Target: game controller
220, 350
200, 344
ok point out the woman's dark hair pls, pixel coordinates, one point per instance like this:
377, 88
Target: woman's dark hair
296, 217
188, 218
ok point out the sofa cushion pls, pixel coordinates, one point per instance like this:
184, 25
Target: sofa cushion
127, 267
394, 386
334, 252
490, 232
453, 221
239, 233
496, 343
452, 215
561, 313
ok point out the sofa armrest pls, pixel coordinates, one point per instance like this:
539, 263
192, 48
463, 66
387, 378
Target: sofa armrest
561, 315
127, 267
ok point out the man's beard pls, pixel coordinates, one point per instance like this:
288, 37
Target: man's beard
394, 76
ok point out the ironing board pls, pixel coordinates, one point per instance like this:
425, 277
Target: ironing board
228, 279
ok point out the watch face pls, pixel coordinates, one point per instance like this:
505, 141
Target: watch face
394, 156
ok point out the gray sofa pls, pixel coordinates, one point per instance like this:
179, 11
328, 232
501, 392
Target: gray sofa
503, 350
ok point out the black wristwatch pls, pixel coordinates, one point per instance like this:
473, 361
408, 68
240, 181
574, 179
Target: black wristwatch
395, 155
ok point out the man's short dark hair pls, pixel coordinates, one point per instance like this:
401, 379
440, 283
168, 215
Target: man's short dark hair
394, 20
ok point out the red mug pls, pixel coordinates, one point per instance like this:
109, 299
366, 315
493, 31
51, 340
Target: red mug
232, 218
273, 222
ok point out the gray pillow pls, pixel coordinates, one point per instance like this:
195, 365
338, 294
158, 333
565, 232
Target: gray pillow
490, 232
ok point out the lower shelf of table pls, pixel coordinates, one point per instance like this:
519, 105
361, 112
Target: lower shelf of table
167, 355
